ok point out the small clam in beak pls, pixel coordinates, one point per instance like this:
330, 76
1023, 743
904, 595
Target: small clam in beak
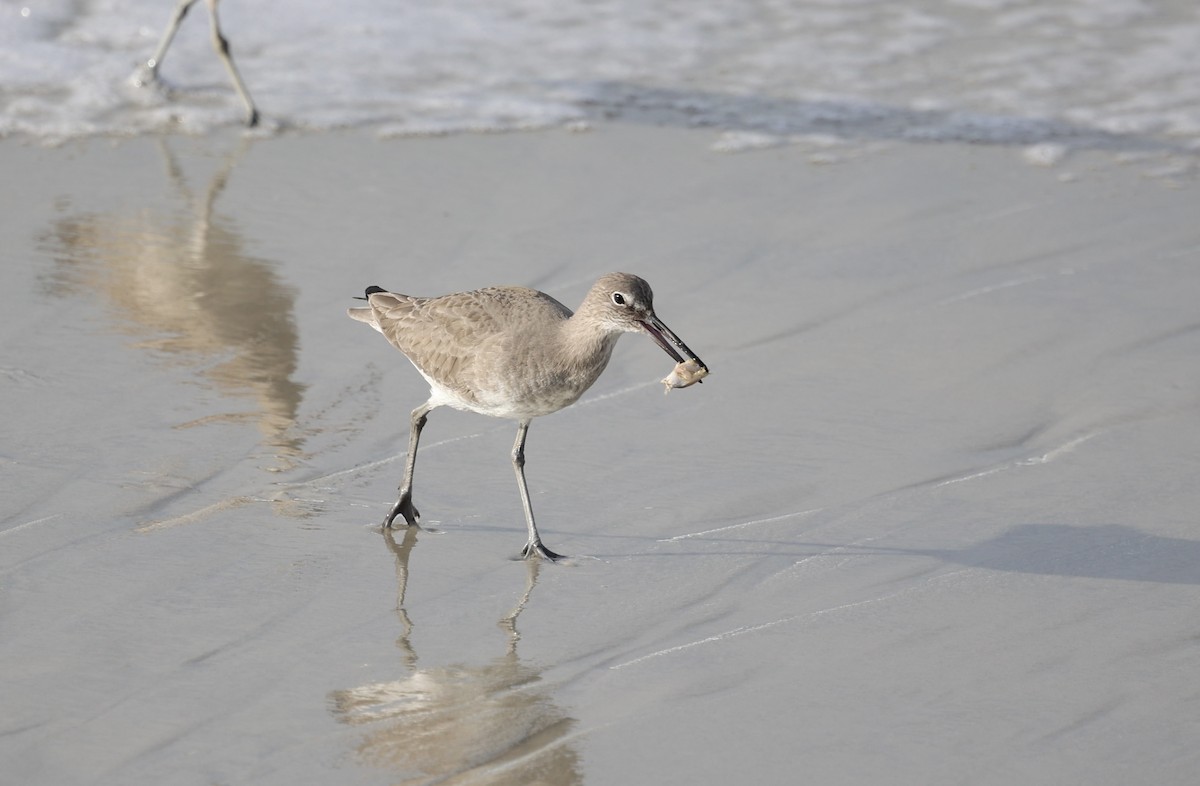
671, 343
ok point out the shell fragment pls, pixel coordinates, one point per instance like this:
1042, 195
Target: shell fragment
684, 374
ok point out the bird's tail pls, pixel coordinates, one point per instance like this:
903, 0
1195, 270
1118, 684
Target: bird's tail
370, 291
366, 313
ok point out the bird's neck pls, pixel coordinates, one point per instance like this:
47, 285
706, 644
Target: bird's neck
583, 344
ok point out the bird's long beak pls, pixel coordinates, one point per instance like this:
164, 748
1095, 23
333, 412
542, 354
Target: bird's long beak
671, 343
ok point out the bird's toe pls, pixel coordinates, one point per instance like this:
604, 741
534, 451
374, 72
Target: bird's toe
537, 550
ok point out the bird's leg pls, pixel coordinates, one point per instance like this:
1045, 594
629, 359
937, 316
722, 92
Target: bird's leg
534, 546
148, 72
222, 46
404, 506
155, 61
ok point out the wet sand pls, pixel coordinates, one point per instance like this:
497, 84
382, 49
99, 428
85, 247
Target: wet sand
932, 519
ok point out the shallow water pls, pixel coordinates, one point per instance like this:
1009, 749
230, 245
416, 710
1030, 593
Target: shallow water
1115, 74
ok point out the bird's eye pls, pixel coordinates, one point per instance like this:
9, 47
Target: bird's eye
618, 298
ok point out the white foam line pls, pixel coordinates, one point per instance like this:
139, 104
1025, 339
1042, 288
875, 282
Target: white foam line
1045, 458
19, 527
797, 514
838, 550
1016, 282
490, 772
740, 631
378, 463
729, 634
974, 475
615, 393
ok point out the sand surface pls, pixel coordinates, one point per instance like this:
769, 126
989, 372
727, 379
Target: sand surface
931, 520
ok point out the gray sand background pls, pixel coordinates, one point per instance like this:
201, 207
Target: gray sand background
932, 519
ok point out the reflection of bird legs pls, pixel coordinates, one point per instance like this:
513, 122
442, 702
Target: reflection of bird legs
509, 622
220, 44
243, 303
402, 552
204, 210
473, 721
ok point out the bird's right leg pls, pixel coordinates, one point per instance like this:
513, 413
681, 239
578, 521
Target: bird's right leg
404, 506
149, 70
534, 546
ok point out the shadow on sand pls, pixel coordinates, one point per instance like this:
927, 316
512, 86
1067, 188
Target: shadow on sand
1110, 551
1107, 551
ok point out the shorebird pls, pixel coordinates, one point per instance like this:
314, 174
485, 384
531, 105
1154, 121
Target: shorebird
149, 71
512, 352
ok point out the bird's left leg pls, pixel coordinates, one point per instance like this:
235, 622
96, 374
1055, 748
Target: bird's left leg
404, 505
222, 46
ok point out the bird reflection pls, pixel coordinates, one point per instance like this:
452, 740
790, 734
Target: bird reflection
492, 723
179, 280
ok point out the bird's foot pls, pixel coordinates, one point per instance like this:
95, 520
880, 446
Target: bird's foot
403, 507
537, 549
143, 76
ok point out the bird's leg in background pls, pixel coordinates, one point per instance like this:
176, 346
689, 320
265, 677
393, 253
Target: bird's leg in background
222, 46
148, 73
168, 36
